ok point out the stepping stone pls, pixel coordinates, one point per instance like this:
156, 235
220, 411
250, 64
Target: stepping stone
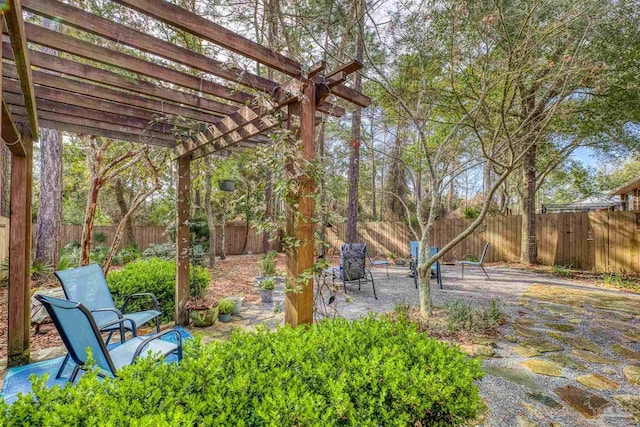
632, 374
597, 382
511, 338
544, 399
566, 361
560, 327
632, 336
543, 367
625, 352
594, 358
525, 351
577, 342
517, 376
557, 308
525, 321
630, 403
478, 350
609, 370
615, 315
586, 403
526, 332
525, 422
539, 345
623, 327
575, 320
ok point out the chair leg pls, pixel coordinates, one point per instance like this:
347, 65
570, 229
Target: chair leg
111, 335
74, 374
373, 284
485, 272
387, 271
64, 363
439, 275
463, 271
158, 324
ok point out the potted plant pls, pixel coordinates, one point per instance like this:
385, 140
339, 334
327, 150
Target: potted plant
226, 185
238, 300
203, 312
225, 307
266, 289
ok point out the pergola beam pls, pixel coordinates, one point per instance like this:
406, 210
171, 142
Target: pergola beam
42, 78
69, 123
104, 77
46, 107
119, 33
83, 101
10, 133
94, 131
244, 116
16, 30
203, 28
73, 46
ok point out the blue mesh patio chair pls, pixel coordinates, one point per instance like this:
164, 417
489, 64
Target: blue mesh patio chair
435, 267
478, 263
88, 286
352, 269
79, 331
379, 262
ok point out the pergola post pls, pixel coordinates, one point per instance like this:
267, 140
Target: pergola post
20, 253
182, 239
299, 305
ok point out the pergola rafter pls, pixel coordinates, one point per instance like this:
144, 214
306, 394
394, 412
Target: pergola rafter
183, 107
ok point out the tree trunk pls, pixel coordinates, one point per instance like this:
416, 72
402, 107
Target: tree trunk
356, 124
268, 196
124, 208
529, 251
223, 236
396, 183
208, 205
374, 207
451, 195
49, 221
486, 178
89, 217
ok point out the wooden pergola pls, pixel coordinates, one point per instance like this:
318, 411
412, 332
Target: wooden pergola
188, 112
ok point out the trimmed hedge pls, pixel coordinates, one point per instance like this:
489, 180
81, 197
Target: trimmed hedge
366, 373
157, 276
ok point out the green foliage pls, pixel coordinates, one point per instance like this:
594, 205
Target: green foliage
167, 251
98, 254
365, 373
562, 270
462, 316
267, 284
129, 253
99, 237
267, 264
618, 281
471, 212
157, 276
226, 305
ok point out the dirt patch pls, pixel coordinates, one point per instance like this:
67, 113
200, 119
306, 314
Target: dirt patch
47, 337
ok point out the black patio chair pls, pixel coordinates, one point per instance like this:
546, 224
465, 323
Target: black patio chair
352, 269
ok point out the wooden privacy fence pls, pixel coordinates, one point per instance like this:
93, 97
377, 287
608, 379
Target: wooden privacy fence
147, 235
600, 241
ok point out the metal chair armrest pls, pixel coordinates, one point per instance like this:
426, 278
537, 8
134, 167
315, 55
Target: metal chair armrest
121, 322
156, 306
101, 310
144, 343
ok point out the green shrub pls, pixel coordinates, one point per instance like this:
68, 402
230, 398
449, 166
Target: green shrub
363, 373
462, 316
267, 284
267, 264
157, 276
129, 253
471, 212
226, 306
562, 270
167, 251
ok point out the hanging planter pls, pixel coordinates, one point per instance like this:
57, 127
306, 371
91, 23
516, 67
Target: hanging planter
226, 185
